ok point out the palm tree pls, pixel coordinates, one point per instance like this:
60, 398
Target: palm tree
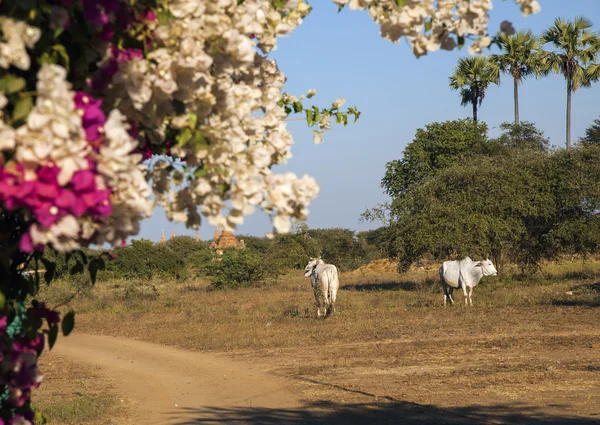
577, 47
519, 58
472, 76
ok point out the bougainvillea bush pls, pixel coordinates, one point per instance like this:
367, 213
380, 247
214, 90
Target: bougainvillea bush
89, 89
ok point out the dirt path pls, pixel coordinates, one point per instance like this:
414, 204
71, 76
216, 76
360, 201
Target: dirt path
168, 386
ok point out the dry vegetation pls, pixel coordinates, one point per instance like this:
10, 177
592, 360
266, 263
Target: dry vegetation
74, 394
520, 355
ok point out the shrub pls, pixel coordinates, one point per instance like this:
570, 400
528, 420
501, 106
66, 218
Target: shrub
145, 260
236, 268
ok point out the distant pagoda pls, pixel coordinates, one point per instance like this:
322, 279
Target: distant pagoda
225, 239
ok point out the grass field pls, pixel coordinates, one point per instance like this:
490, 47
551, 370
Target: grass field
392, 353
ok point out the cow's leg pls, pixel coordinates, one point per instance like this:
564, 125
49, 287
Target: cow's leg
445, 289
317, 304
325, 300
470, 295
450, 292
465, 292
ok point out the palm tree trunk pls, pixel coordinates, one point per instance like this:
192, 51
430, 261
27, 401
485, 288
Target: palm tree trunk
474, 102
516, 96
569, 114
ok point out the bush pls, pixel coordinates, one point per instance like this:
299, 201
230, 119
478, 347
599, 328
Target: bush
236, 268
145, 260
184, 246
340, 247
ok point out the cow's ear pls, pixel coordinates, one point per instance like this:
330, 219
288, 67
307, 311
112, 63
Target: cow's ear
478, 264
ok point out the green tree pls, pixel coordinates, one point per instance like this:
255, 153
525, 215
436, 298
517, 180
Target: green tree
516, 202
576, 48
472, 76
524, 135
592, 134
519, 59
183, 246
434, 147
339, 247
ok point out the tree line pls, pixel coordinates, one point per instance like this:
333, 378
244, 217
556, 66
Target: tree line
262, 259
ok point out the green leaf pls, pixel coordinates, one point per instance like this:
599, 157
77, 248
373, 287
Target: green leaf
50, 269
40, 419
184, 137
10, 84
68, 323
84, 257
164, 17
400, 3
22, 108
201, 171
62, 52
317, 114
200, 143
310, 117
2, 301
192, 120
58, 32
52, 335
460, 41
297, 106
77, 268
428, 25
93, 269
95, 265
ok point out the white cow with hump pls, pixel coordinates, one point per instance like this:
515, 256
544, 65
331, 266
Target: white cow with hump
325, 283
464, 274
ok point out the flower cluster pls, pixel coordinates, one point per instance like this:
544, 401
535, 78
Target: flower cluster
72, 170
19, 353
430, 25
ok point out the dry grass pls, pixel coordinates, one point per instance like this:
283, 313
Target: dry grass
524, 343
73, 394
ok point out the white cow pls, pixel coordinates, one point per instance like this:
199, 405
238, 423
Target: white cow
464, 274
325, 283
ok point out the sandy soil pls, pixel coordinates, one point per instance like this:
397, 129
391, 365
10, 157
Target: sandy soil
170, 386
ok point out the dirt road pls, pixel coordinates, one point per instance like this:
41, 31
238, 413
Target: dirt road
168, 386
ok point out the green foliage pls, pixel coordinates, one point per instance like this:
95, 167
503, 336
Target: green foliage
522, 136
520, 58
516, 201
575, 51
374, 243
183, 246
472, 77
339, 247
436, 146
144, 259
236, 268
592, 134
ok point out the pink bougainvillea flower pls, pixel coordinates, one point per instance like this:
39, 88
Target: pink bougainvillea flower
93, 118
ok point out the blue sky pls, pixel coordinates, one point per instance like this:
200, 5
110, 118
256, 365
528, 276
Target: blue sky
342, 55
